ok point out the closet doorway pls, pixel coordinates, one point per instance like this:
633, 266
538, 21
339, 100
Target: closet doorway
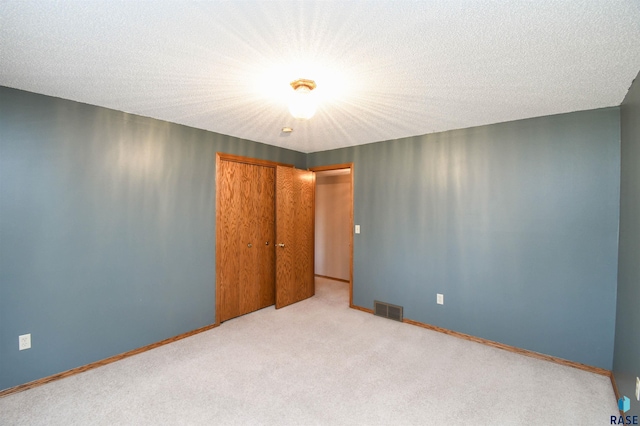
334, 224
264, 235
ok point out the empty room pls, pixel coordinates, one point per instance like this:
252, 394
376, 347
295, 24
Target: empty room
320, 212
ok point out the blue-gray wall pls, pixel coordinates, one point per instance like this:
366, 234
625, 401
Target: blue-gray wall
107, 231
626, 362
515, 223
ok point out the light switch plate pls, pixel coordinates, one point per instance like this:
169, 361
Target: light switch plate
357, 229
440, 299
638, 388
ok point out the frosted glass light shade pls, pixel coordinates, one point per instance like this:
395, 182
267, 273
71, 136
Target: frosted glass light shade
303, 103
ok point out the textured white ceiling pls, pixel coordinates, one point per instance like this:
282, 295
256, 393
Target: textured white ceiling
384, 69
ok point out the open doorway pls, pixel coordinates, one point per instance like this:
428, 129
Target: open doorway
334, 224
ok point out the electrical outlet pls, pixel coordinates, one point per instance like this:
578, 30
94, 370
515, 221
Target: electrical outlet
440, 299
24, 341
638, 388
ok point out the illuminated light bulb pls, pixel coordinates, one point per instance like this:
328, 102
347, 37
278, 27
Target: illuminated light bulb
303, 103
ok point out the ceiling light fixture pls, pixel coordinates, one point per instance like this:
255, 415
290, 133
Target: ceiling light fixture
303, 103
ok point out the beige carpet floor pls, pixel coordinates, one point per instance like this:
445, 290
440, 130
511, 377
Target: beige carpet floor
319, 363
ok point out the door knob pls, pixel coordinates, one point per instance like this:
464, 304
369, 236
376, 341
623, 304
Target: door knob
281, 245
267, 243
249, 245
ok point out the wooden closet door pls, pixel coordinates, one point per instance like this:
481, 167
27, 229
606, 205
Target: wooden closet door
265, 239
295, 209
229, 250
246, 270
248, 288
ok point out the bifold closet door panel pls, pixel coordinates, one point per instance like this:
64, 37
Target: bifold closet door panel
266, 229
230, 256
247, 220
295, 208
248, 238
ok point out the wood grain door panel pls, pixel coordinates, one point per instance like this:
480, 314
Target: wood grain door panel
228, 187
259, 207
248, 290
295, 194
265, 239
246, 271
